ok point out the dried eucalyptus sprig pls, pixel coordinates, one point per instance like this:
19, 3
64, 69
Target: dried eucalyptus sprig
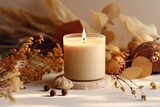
21, 20
116, 66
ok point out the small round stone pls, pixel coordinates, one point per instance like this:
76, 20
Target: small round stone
52, 93
46, 88
64, 92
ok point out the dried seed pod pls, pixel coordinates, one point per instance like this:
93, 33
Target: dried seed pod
143, 97
123, 89
115, 65
133, 92
152, 84
141, 86
116, 84
154, 87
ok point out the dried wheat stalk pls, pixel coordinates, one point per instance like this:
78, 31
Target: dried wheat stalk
23, 18
10, 30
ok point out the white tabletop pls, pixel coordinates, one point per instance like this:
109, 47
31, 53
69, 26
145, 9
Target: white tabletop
34, 96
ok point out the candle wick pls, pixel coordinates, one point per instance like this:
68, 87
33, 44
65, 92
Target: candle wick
83, 40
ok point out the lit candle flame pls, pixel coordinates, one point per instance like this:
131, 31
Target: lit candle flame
83, 36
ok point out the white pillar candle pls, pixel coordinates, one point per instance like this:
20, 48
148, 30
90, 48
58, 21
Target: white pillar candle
84, 59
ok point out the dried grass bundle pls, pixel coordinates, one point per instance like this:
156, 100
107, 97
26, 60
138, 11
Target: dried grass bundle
18, 17
27, 65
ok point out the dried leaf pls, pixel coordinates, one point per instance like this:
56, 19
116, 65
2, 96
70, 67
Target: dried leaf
60, 14
132, 72
100, 20
135, 27
66, 29
144, 64
112, 10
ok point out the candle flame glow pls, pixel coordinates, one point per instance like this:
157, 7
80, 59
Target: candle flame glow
83, 36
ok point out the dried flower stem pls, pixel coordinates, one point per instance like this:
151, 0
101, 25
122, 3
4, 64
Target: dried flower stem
27, 65
118, 78
135, 84
143, 97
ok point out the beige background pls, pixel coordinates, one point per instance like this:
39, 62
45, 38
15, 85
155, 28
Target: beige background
148, 11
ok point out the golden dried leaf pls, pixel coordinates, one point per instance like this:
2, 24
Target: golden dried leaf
112, 10
132, 72
144, 64
100, 19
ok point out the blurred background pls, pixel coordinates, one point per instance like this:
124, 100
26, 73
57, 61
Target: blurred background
146, 11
